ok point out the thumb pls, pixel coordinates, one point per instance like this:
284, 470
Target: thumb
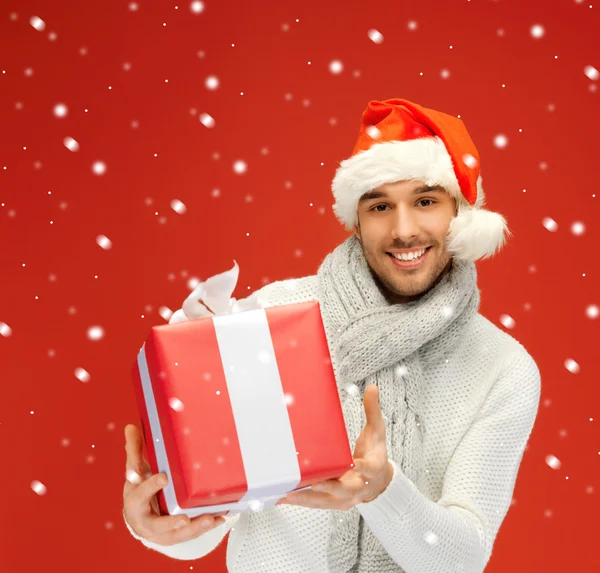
373, 408
134, 448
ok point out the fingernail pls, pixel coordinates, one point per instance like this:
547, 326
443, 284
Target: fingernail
162, 480
205, 520
181, 523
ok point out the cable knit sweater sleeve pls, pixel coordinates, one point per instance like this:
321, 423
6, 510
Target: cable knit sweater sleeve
456, 533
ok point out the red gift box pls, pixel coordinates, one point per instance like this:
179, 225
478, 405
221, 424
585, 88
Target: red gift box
240, 409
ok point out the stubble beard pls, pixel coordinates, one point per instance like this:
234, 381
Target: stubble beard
404, 284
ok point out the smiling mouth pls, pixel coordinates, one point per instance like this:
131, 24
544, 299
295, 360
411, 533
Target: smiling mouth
412, 258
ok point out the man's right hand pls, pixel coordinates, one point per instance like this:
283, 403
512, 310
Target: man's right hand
140, 504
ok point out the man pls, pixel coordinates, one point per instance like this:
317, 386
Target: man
439, 403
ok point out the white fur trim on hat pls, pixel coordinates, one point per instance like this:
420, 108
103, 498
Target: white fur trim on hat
474, 232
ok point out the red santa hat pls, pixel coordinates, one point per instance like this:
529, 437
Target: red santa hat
399, 141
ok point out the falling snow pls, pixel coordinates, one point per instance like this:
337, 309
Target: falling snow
37, 23
95, 333
216, 189
501, 141
550, 224
212, 82
572, 366
375, 36
265, 357
373, 132
104, 242
470, 161
178, 206
336, 67
197, 7
537, 31
165, 312
71, 144
591, 311
133, 477
240, 167
507, 321
553, 462
431, 538
206, 120
591, 72
82, 375
38, 487
60, 110
99, 168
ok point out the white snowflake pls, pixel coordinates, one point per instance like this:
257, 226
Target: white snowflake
179, 207
591, 72
336, 67
82, 375
38, 487
71, 144
501, 141
37, 23
99, 167
537, 31
375, 36
95, 332
212, 82
104, 242
60, 110
591, 311
240, 166
572, 366
550, 224
507, 321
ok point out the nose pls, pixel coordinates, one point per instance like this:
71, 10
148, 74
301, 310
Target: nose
405, 225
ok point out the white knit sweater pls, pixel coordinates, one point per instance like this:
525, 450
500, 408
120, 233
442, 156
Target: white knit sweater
480, 407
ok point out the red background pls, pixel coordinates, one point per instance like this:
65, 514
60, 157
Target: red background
57, 282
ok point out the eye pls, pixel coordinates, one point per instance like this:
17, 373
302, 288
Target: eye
430, 200
375, 208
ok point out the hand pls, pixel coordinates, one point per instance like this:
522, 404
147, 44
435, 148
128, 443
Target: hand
370, 476
140, 504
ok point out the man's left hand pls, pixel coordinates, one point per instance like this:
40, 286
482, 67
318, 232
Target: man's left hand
370, 476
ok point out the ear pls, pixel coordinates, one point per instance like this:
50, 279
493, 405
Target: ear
357, 229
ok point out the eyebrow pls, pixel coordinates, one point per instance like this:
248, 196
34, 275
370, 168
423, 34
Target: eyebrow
418, 191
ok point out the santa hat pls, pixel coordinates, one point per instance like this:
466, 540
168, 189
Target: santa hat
400, 140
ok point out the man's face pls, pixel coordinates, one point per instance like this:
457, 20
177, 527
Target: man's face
406, 216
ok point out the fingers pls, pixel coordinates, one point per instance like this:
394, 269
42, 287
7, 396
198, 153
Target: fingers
140, 497
137, 506
165, 530
197, 526
343, 488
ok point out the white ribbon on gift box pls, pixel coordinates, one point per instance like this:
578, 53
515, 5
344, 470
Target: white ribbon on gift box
254, 387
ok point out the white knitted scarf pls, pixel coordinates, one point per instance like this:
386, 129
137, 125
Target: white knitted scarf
374, 342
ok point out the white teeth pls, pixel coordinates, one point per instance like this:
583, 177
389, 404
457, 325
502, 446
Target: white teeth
409, 256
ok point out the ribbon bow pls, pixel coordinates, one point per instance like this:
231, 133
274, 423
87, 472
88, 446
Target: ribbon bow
213, 296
